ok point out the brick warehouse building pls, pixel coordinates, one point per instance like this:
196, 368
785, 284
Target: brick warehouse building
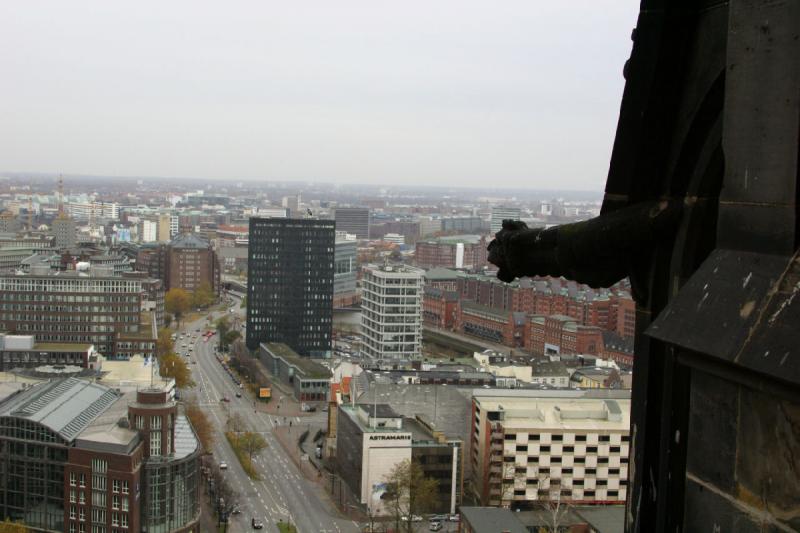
87, 458
191, 261
501, 327
460, 251
559, 334
186, 262
439, 307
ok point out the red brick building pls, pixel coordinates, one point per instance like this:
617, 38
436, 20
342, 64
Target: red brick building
560, 334
439, 308
486, 323
466, 252
191, 262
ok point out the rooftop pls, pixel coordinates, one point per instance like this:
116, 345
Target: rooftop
189, 240
309, 368
492, 520
65, 406
560, 413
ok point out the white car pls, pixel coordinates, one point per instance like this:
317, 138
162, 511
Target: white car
223, 465
414, 518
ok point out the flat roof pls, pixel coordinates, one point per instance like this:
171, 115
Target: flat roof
492, 520
62, 347
561, 413
310, 368
105, 431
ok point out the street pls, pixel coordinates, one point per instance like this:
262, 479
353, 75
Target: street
282, 493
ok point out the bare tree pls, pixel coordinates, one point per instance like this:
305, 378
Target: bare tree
409, 492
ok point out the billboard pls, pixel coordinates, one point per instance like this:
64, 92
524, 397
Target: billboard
265, 392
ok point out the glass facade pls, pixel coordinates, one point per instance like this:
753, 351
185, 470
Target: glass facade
32, 460
170, 495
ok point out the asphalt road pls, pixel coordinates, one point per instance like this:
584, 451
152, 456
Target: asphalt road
282, 493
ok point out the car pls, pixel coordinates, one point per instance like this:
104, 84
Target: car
414, 518
435, 526
257, 523
194, 362
454, 518
236, 510
238, 394
439, 518
224, 399
223, 465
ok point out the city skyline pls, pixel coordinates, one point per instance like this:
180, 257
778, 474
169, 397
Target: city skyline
373, 94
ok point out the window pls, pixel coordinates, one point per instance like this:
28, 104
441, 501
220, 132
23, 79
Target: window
72, 512
81, 514
155, 443
602, 482
123, 520
605, 438
544, 448
580, 438
555, 460
114, 519
591, 449
614, 449
580, 460
124, 503
569, 449
72, 497
522, 447
83, 480
558, 438
115, 485
602, 460
591, 471
566, 471
533, 436
124, 487
81, 497
115, 502
72, 478
613, 471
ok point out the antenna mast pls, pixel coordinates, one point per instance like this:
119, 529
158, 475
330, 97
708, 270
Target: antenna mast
60, 195
30, 212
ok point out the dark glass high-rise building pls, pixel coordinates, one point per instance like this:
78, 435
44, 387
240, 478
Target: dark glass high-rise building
354, 220
290, 284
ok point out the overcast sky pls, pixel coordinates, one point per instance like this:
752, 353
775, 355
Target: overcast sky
448, 92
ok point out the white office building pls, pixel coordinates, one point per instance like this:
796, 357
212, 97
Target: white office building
499, 214
391, 312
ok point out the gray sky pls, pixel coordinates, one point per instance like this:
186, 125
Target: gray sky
447, 92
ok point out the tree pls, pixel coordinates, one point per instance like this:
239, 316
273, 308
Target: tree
223, 327
203, 295
173, 366
252, 443
243, 305
236, 423
167, 320
164, 343
230, 337
551, 503
409, 492
202, 426
7, 526
177, 301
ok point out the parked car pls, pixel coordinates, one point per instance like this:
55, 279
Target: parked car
414, 518
238, 394
224, 399
435, 526
257, 523
223, 465
455, 518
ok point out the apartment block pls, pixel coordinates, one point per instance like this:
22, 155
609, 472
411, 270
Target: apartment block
528, 447
391, 312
